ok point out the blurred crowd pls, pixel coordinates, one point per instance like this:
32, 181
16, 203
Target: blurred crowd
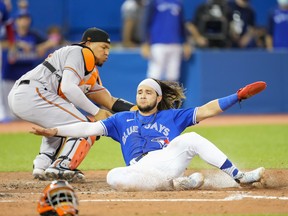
22, 48
216, 24
157, 27
166, 38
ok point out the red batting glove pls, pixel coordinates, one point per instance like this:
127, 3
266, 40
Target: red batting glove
251, 89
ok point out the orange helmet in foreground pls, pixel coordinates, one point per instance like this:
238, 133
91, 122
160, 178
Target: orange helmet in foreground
58, 199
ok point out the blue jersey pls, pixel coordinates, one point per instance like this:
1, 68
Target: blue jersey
247, 16
139, 134
4, 14
25, 61
278, 28
164, 22
4, 18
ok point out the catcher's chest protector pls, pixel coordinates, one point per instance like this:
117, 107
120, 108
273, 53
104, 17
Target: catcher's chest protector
88, 57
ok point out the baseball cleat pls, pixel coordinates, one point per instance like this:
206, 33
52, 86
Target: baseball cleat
250, 177
39, 174
193, 181
54, 173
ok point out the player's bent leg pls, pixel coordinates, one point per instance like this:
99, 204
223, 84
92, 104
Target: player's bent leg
214, 156
194, 144
73, 153
40, 163
48, 150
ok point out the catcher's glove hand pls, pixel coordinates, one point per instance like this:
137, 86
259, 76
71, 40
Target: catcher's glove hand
250, 90
102, 114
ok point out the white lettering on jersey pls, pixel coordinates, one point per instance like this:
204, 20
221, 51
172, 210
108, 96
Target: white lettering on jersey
158, 127
128, 132
155, 126
173, 8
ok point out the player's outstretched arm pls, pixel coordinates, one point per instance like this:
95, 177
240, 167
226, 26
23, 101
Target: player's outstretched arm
218, 106
81, 129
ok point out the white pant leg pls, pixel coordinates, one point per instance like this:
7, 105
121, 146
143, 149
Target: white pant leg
165, 62
156, 170
173, 62
7, 85
199, 145
2, 112
43, 108
46, 109
2, 109
156, 64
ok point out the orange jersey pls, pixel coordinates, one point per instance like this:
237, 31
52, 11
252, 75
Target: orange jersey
87, 83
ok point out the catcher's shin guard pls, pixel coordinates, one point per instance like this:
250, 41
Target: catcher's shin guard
81, 152
75, 150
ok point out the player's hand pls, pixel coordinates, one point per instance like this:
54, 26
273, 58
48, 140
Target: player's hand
201, 41
102, 114
251, 90
145, 50
187, 51
47, 132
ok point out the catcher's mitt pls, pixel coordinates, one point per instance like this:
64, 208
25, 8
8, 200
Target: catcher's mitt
251, 89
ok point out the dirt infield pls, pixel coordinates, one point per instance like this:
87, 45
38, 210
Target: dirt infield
219, 195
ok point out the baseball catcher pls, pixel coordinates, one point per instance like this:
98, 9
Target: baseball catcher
56, 92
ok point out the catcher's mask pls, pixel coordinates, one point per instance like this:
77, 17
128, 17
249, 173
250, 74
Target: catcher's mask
58, 199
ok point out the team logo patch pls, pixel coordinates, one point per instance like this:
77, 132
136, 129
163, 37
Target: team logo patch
163, 141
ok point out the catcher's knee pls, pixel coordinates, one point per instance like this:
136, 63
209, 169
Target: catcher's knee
82, 147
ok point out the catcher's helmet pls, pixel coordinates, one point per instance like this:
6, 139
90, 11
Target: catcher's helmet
58, 199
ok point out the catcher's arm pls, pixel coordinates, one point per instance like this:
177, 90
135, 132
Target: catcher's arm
104, 98
218, 106
102, 114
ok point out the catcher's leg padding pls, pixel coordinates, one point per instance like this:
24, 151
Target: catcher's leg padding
75, 150
81, 152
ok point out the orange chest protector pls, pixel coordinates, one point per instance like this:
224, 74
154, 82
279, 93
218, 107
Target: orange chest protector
91, 72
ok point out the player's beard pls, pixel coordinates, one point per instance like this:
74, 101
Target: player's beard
148, 108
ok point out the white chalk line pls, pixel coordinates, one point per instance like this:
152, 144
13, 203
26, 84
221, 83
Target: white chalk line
234, 197
185, 200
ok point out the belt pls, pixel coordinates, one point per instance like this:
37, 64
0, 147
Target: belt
49, 66
136, 159
140, 157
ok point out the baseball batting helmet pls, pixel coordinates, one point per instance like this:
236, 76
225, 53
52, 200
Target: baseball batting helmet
58, 199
